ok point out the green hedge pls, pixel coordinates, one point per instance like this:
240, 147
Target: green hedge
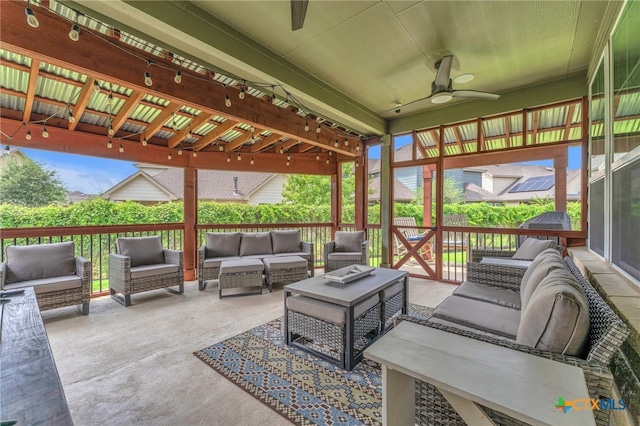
102, 212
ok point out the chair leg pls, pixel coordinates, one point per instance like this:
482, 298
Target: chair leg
85, 308
202, 284
124, 301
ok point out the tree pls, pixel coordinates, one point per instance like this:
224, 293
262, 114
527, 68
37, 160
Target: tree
452, 193
29, 184
307, 190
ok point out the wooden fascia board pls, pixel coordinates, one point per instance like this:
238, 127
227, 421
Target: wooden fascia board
31, 89
115, 62
194, 124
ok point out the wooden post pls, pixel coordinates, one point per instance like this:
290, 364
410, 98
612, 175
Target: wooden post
386, 201
335, 202
560, 166
427, 201
360, 193
190, 221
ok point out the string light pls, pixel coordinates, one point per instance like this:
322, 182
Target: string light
228, 159
147, 79
28, 135
346, 141
220, 147
109, 144
285, 104
241, 94
144, 141
330, 152
327, 161
110, 130
227, 100
174, 125
281, 151
110, 98
288, 157
121, 148
180, 150
317, 156
169, 157
189, 134
287, 162
252, 161
357, 147
239, 157
71, 118
45, 133
306, 125
31, 17
336, 143
96, 86
178, 77
195, 154
74, 34
7, 150
318, 129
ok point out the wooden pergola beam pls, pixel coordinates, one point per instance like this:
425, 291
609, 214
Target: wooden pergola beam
241, 140
81, 102
193, 125
213, 134
31, 89
159, 121
288, 144
269, 140
126, 110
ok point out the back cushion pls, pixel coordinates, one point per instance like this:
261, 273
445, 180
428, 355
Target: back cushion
531, 247
141, 250
25, 263
533, 268
349, 240
222, 244
557, 316
537, 275
255, 243
286, 241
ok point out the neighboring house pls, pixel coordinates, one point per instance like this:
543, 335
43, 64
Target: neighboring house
155, 184
77, 196
401, 193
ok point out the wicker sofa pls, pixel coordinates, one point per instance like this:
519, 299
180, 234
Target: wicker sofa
59, 278
221, 246
486, 306
142, 264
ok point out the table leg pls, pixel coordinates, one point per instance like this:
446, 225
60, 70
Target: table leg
468, 410
348, 341
287, 335
398, 398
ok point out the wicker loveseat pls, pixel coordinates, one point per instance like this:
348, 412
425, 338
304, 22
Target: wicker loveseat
222, 246
141, 264
498, 300
59, 278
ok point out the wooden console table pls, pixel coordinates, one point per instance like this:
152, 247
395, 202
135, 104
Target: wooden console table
469, 372
30, 388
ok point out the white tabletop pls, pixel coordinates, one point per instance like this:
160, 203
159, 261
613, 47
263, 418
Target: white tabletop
523, 386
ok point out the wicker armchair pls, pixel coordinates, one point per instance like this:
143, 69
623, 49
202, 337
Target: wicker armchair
607, 332
347, 248
58, 276
141, 264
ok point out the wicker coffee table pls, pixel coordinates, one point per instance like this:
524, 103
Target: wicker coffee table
346, 318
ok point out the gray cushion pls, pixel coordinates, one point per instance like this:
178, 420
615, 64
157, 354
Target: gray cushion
141, 250
215, 262
222, 244
241, 265
485, 316
45, 285
296, 253
536, 273
531, 247
471, 329
349, 240
557, 316
287, 262
489, 293
286, 241
258, 256
391, 290
326, 311
25, 263
354, 256
145, 271
255, 243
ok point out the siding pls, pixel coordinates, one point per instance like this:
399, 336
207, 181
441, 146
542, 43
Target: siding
473, 177
270, 192
411, 177
457, 175
139, 189
574, 185
500, 184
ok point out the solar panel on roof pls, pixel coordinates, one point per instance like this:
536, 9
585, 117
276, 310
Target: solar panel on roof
538, 183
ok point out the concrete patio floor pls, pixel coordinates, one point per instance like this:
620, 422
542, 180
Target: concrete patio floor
136, 365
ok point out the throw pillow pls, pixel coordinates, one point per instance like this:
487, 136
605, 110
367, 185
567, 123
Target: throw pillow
349, 241
222, 244
286, 241
141, 250
255, 243
531, 247
25, 263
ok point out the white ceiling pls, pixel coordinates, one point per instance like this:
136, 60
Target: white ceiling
379, 52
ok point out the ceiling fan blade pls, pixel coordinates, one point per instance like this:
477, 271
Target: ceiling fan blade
474, 94
444, 71
408, 103
298, 12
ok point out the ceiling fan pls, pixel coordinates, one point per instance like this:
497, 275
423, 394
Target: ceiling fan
298, 12
442, 90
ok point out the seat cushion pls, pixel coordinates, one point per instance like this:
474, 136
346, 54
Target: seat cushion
302, 254
557, 316
531, 247
285, 262
489, 293
326, 311
258, 256
215, 262
241, 265
354, 256
45, 285
141, 250
144, 271
287, 241
485, 316
470, 329
536, 273
349, 241
26, 263
255, 243
222, 244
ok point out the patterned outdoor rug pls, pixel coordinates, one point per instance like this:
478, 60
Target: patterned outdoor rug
301, 387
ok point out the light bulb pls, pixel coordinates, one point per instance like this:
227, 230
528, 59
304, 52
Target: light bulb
239, 157
96, 86
327, 161
358, 147
228, 159
285, 104
281, 151
31, 18
306, 126
121, 148
195, 154
71, 118
317, 156
144, 141
189, 134
169, 157
7, 150
288, 157
274, 100
45, 134
357, 163
110, 130
109, 144
147, 79
287, 162
179, 150
74, 34
330, 152
220, 148
178, 77
346, 141
251, 161
241, 94
318, 129
110, 98
336, 144
28, 135
227, 101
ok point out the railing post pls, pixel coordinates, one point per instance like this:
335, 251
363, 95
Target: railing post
190, 220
